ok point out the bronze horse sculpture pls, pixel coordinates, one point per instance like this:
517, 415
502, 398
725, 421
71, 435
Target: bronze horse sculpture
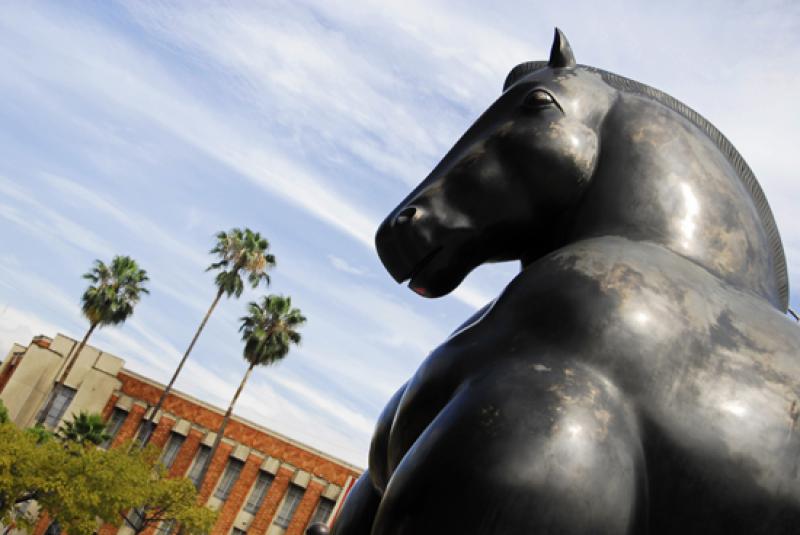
639, 375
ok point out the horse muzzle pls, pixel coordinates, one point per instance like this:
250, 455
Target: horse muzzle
413, 248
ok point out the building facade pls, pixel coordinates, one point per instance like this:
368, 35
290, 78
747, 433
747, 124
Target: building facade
260, 482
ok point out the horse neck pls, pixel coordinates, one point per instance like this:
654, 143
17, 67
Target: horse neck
660, 179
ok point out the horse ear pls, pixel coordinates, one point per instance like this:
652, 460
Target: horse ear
561, 53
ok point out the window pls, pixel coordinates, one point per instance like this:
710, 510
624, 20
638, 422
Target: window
237, 531
324, 508
165, 528
200, 461
63, 397
136, 519
228, 478
114, 424
143, 432
259, 491
53, 529
171, 450
290, 503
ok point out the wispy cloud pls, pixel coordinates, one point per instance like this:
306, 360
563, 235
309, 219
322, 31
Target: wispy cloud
342, 265
147, 127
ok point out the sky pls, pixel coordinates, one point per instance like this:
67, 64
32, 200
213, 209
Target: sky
143, 128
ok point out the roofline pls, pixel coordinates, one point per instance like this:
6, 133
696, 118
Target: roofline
254, 425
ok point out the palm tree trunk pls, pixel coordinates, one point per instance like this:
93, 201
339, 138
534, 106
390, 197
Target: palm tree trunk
70, 362
222, 427
167, 390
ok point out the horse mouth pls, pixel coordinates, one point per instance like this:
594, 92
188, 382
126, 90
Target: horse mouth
416, 276
431, 270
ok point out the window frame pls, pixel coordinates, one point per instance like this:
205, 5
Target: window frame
233, 469
197, 465
55, 408
263, 475
113, 426
287, 510
165, 527
328, 503
173, 454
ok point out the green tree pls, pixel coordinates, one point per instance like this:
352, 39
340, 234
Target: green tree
268, 332
239, 253
109, 300
84, 429
174, 501
76, 484
3, 413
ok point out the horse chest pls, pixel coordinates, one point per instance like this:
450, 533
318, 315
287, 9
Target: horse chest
715, 388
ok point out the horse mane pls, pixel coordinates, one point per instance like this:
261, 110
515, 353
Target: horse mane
726, 147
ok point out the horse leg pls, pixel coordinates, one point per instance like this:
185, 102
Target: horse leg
528, 446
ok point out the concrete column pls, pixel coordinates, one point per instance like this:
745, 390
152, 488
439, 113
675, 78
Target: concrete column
218, 464
129, 427
305, 509
186, 454
238, 495
269, 507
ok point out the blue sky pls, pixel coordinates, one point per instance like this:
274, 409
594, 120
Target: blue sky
143, 128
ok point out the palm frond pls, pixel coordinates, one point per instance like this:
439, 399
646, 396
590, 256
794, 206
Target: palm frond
241, 252
269, 329
115, 290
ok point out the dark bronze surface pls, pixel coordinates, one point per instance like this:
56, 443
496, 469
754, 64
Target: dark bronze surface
317, 529
639, 375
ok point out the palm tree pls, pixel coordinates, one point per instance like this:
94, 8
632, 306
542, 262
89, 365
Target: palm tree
239, 252
268, 332
109, 300
84, 429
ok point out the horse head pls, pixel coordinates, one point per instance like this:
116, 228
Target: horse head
571, 152
499, 193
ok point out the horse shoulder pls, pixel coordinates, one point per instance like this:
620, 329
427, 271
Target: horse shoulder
549, 446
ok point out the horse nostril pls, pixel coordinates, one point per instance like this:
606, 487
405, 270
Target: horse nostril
405, 215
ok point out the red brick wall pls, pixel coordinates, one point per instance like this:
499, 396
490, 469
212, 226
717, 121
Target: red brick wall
238, 495
305, 509
162, 431
112, 402
270, 505
129, 426
8, 372
108, 529
41, 525
218, 464
186, 454
254, 438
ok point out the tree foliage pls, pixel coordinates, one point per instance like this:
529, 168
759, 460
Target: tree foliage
269, 329
76, 483
240, 251
114, 291
84, 429
109, 300
268, 332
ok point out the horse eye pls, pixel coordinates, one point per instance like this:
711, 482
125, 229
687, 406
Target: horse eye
538, 99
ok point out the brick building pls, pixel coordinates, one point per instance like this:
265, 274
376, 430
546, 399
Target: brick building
261, 482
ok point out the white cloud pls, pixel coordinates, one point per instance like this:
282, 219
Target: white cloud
333, 108
342, 265
19, 326
46, 222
